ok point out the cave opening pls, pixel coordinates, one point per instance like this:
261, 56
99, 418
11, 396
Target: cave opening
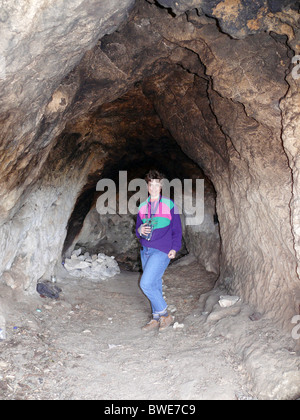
136, 141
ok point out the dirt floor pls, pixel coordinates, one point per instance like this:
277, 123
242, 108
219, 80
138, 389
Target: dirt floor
88, 344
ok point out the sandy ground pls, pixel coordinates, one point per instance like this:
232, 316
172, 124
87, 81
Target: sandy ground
88, 344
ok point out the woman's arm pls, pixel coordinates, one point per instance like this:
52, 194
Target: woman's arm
176, 230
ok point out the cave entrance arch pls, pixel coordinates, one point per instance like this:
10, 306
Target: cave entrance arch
136, 142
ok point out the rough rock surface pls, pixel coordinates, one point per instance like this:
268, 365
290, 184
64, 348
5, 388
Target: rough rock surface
96, 267
112, 235
41, 42
239, 18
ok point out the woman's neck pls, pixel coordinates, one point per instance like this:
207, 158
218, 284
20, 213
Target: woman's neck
154, 198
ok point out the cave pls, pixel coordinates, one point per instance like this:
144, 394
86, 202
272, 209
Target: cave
135, 141
197, 89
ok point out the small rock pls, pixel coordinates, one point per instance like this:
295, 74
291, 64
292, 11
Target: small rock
75, 264
77, 252
227, 301
113, 346
256, 316
219, 313
3, 365
177, 325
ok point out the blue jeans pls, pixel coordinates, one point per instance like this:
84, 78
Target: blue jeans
154, 263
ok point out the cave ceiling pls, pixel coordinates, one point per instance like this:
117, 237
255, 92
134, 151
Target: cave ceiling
40, 95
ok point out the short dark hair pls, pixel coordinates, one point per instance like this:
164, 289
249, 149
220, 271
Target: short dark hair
154, 174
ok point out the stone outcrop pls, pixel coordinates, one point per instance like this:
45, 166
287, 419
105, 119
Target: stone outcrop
95, 267
41, 42
238, 18
81, 100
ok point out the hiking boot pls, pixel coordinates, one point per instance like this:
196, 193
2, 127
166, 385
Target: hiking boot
165, 322
152, 325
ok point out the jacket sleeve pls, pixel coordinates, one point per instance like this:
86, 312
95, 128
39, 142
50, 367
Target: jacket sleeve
138, 224
176, 230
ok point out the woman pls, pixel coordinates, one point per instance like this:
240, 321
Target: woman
159, 229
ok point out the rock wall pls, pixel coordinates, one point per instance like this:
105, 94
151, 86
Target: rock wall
245, 159
252, 202
31, 242
41, 42
290, 135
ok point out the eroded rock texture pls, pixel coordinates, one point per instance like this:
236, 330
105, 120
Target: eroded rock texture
41, 42
212, 76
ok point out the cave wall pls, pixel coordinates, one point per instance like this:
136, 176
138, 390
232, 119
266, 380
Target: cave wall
41, 42
243, 156
290, 106
253, 187
31, 242
216, 75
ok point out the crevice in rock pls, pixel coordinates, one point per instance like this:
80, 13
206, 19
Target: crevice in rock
290, 53
168, 9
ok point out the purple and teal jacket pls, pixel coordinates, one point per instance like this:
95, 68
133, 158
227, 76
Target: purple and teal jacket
167, 230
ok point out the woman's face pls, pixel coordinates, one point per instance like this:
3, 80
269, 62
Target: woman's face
154, 187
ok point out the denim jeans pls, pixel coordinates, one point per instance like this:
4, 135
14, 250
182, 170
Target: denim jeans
154, 263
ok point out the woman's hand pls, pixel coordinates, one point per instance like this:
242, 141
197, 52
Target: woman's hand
172, 254
144, 229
